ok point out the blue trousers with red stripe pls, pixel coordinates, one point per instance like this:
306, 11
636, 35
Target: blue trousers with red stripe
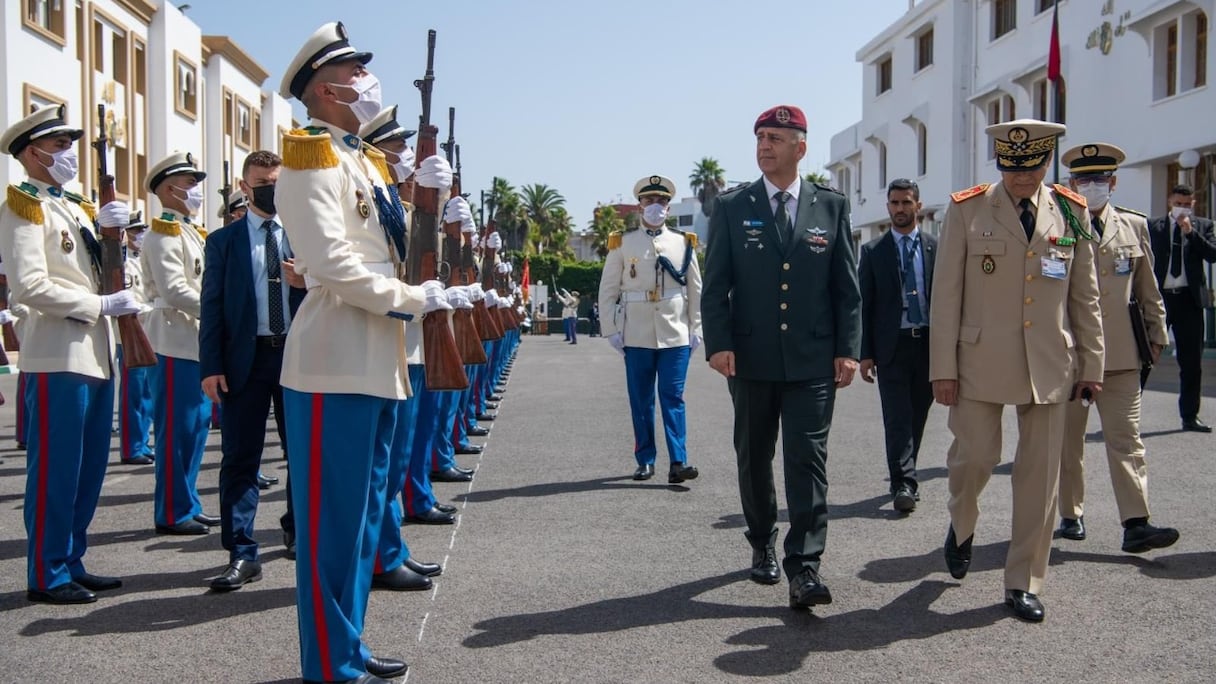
183, 416
338, 455
418, 496
23, 417
69, 444
644, 370
393, 549
135, 410
443, 450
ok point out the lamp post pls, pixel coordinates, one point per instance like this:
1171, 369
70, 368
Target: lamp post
1189, 161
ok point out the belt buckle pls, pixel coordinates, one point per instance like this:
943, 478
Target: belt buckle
916, 333
652, 296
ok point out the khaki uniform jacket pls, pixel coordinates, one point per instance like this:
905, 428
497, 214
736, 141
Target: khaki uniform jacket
51, 274
647, 306
1008, 333
1125, 236
172, 268
341, 340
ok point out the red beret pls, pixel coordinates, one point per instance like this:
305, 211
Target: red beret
782, 116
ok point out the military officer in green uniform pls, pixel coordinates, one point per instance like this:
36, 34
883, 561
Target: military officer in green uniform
781, 312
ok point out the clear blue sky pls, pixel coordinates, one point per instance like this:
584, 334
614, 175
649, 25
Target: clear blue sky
588, 96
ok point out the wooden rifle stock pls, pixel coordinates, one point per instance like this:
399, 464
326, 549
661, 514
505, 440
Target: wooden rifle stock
441, 357
9, 334
136, 349
492, 322
464, 328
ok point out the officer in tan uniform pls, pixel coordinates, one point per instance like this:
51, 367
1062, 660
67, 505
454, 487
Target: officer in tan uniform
651, 289
52, 258
1125, 274
1014, 321
173, 279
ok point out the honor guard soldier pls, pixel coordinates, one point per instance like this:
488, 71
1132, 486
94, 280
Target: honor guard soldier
51, 252
652, 282
238, 206
136, 397
1014, 281
344, 366
173, 260
1125, 278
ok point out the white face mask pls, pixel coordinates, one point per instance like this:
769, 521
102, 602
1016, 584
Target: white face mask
367, 106
137, 240
193, 198
64, 164
654, 214
404, 166
1179, 213
1096, 194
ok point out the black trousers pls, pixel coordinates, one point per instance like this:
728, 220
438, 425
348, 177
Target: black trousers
1186, 318
906, 395
243, 437
803, 411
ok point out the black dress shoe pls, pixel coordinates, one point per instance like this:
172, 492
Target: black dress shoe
486, 417
466, 449
490, 406
958, 556
63, 594
386, 668
433, 516
428, 569
905, 499
477, 431
1071, 528
1025, 605
764, 566
365, 678
263, 484
806, 590
268, 479
401, 578
138, 460
679, 472
186, 527
446, 508
289, 544
644, 472
495, 397
1139, 537
208, 520
22, 445
450, 475
97, 582
466, 471
1195, 425
239, 573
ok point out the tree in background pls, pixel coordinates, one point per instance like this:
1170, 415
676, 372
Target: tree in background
509, 215
708, 179
539, 203
818, 177
604, 223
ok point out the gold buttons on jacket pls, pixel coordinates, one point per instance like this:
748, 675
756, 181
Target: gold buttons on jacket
1104, 250
1030, 300
1029, 254
1029, 277
1026, 324
1104, 271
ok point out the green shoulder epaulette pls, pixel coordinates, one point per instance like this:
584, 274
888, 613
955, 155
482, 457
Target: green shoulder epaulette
379, 161
86, 206
614, 239
164, 226
308, 148
23, 201
829, 188
1125, 210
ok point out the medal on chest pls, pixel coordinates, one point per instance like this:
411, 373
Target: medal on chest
633, 267
66, 243
198, 267
361, 205
988, 265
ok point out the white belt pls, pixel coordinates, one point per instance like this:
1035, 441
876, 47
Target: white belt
160, 303
384, 268
649, 296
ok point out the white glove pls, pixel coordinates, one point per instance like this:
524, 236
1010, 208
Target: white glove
3, 269
474, 240
6, 317
458, 297
617, 342
503, 267
115, 214
457, 211
491, 298
504, 302
694, 341
476, 294
120, 303
435, 173
493, 241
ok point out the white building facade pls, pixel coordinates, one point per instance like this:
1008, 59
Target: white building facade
165, 87
1134, 72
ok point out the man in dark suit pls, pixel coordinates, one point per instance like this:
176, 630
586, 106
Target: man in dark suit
1181, 243
247, 300
781, 312
896, 271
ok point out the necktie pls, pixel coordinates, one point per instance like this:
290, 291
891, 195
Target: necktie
274, 288
1097, 224
909, 269
1027, 218
783, 216
1176, 252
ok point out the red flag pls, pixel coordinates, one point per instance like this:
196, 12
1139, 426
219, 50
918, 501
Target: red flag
525, 279
1053, 54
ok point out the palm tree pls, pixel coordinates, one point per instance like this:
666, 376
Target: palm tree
818, 177
508, 214
539, 204
707, 180
604, 223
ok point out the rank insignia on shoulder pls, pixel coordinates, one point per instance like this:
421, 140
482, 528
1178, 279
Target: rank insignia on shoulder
379, 161
85, 205
166, 227
829, 188
974, 191
988, 265
1067, 192
614, 239
308, 148
1125, 210
23, 201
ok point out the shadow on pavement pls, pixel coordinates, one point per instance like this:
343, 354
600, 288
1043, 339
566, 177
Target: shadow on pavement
558, 488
